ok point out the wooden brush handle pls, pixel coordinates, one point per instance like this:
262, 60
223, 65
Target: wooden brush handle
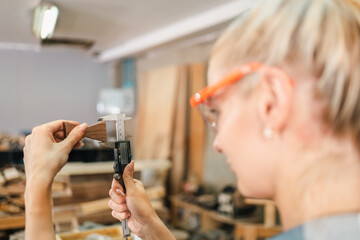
96, 131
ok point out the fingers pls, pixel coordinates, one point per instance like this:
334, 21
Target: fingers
116, 187
118, 202
59, 137
28, 140
58, 125
74, 137
120, 215
118, 207
26, 147
128, 176
54, 126
118, 197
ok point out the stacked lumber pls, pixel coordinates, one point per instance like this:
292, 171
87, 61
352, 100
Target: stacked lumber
166, 125
156, 106
12, 189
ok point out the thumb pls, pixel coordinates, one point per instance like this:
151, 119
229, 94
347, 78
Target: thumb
128, 176
74, 136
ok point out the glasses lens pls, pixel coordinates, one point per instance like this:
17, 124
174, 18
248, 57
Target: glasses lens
209, 114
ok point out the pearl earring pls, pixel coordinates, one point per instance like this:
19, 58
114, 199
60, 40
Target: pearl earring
268, 132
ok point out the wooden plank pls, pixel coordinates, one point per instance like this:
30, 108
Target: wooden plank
250, 233
100, 217
261, 231
11, 174
2, 179
65, 215
96, 206
61, 186
266, 232
155, 125
177, 172
16, 188
96, 131
80, 168
269, 210
101, 205
10, 208
196, 151
178, 203
86, 188
208, 223
15, 222
269, 215
140, 115
256, 201
113, 232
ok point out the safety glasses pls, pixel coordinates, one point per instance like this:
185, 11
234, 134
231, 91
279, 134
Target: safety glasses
202, 99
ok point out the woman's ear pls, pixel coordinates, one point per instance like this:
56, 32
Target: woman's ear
275, 96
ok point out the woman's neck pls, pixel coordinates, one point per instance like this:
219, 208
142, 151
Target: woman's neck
319, 185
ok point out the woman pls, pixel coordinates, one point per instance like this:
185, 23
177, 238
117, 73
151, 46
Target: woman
283, 98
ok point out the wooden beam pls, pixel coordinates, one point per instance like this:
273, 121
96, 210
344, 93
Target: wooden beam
113, 232
7, 223
177, 172
96, 206
155, 124
269, 210
90, 168
196, 151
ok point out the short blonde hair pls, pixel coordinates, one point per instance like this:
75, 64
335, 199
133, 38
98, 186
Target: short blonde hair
321, 36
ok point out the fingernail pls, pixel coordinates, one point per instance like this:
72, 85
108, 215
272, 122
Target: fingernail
120, 192
83, 127
81, 144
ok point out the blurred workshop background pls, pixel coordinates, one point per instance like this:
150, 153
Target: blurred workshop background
83, 59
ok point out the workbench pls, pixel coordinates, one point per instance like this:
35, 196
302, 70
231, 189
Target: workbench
246, 229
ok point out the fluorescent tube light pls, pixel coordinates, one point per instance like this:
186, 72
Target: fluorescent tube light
45, 18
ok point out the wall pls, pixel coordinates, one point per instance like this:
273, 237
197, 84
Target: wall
215, 163
37, 87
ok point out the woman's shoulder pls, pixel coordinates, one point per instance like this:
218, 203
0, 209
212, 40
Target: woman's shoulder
345, 227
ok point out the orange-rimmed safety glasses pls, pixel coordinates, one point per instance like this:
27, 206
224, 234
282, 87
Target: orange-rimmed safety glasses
201, 98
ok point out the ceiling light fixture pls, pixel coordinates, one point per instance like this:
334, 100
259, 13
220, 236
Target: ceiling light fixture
45, 17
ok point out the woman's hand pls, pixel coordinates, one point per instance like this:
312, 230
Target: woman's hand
46, 151
136, 207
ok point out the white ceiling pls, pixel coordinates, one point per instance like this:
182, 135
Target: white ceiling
107, 22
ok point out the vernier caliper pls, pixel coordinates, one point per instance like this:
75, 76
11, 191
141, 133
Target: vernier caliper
122, 155
122, 150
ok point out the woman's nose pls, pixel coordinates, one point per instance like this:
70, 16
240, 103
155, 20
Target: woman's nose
216, 145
